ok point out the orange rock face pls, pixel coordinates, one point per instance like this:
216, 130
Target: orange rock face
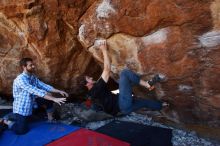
47, 32
179, 39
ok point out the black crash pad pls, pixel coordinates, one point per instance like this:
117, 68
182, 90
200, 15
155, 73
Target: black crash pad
138, 134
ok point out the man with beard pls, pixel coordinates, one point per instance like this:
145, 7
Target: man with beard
28, 93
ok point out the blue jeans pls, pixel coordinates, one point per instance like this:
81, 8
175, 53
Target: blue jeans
20, 125
126, 102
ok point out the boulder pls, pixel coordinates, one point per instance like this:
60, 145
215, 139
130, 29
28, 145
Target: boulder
177, 39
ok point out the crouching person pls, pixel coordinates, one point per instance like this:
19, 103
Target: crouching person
29, 92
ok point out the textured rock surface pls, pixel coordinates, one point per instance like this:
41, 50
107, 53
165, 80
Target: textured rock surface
179, 39
47, 32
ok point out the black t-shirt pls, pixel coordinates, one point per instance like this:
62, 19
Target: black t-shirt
108, 100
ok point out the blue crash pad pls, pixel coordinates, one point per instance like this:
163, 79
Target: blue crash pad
40, 134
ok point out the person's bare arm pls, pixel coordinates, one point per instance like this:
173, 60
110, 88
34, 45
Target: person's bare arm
63, 93
107, 65
57, 100
146, 84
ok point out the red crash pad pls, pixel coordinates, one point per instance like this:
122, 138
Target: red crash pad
84, 137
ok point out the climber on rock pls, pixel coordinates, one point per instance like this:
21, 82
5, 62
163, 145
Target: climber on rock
124, 101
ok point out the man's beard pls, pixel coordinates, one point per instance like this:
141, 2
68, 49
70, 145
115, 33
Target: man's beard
30, 70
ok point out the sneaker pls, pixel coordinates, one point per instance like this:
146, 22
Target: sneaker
165, 104
6, 123
3, 124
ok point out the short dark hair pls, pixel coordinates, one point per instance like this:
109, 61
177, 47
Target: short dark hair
82, 80
23, 61
78, 85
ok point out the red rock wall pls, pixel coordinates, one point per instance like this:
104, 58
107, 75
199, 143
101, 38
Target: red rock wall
47, 32
179, 39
